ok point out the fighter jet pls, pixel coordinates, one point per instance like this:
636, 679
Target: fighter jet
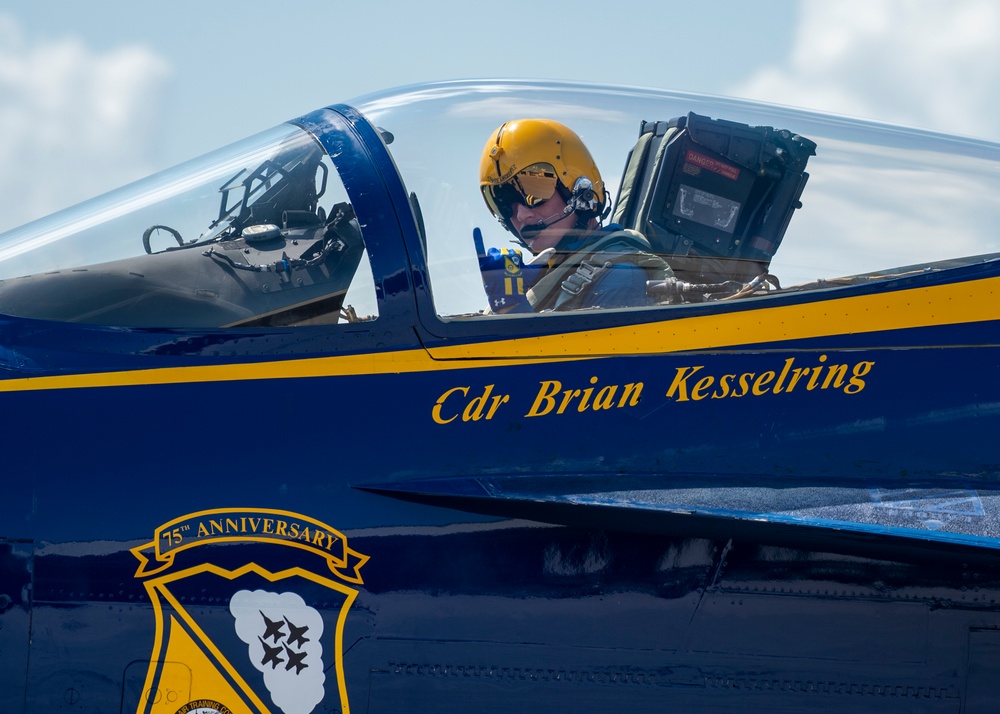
515, 396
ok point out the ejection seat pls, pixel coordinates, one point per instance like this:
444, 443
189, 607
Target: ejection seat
713, 197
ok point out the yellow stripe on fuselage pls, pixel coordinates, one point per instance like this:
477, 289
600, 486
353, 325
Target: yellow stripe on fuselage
951, 304
377, 363
956, 303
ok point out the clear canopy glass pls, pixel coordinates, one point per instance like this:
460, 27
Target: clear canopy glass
878, 197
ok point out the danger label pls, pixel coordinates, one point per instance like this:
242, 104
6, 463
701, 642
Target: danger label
713, 165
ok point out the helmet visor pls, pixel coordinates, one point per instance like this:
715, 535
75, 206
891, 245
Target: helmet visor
530, 187
536, 184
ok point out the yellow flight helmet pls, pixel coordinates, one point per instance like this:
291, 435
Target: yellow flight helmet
527, 160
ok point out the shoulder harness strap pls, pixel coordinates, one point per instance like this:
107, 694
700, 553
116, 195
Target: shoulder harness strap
565, 285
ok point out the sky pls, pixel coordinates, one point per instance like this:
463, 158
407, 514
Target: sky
96, 94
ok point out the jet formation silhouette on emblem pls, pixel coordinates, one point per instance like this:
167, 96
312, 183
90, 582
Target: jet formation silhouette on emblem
273, 629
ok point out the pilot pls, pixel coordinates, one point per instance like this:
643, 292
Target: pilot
540, 181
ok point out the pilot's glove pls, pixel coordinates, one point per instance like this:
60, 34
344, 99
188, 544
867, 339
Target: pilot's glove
503, 277
507, 277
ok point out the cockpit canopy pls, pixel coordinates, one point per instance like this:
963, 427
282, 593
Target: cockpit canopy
287, 228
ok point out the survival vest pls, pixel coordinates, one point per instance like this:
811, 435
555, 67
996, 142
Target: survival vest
567, 285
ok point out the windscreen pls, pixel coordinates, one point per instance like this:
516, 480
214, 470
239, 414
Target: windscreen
261, 233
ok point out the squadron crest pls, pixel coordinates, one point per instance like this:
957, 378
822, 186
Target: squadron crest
266, 638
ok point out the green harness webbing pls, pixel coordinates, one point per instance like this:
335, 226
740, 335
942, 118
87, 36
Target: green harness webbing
566, 285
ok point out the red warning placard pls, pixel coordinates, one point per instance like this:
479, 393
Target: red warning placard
714, 165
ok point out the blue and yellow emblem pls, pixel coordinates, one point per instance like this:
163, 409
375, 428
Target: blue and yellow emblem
250, 607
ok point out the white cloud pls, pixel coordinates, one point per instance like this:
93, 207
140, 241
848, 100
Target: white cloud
924, 63
74, 122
